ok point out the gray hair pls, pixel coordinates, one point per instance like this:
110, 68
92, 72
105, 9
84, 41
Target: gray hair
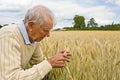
39, 13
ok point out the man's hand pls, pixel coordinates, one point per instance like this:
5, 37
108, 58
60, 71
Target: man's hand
58, 60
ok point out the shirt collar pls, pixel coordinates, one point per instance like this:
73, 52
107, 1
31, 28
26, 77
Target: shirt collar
24, 33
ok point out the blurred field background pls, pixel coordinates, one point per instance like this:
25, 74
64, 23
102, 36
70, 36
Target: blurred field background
95, 54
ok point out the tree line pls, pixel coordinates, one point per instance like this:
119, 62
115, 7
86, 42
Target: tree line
5, 25
79, 24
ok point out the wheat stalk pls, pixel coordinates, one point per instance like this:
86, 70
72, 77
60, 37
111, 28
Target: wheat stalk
67, 68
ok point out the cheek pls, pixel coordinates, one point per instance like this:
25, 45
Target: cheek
35, 35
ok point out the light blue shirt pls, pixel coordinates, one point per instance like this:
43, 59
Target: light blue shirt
24, 33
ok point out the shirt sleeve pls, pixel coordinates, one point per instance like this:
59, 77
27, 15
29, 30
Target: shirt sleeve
10, 62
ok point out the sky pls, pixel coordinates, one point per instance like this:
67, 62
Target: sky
103, 11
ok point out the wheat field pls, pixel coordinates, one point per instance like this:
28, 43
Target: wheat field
95, 54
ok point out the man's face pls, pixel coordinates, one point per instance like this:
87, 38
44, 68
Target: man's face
38, 32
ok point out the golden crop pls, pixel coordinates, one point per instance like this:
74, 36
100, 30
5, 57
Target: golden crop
95, 54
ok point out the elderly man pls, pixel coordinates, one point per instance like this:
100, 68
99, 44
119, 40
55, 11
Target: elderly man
19, 46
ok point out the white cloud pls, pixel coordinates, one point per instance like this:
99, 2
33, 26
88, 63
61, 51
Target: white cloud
16, 2
101, 12
88, 1
64, 10
110, 1
13, 10
117, 2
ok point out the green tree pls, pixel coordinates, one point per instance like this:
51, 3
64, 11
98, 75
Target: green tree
5, 25
0, 26
92, 23
79, 22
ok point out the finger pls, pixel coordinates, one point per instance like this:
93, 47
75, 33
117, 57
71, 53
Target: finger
60, 64
64, 59
67, 55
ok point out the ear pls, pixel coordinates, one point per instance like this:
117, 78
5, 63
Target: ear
30, 25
